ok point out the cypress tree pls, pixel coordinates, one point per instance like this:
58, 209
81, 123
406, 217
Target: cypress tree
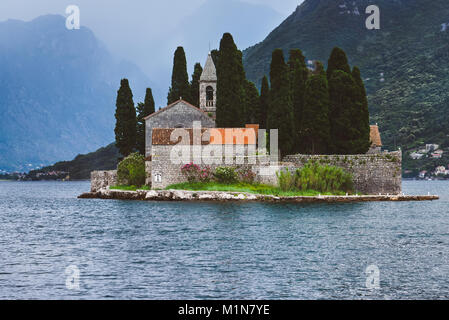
214, 54
263, 103
143, 110
180, 87
125, 115
298, 74
230, 85
343, 93
315, 126
195, 85
251, 102
337, 61
361, 115
280, 111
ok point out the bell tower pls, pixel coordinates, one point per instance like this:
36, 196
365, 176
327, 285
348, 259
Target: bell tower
208, 88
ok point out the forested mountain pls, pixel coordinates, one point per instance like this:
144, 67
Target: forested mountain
57, 92
405, 64
79, 168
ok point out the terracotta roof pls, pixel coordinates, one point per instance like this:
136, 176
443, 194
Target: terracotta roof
209, 72
375, 136
217, 136
171, 106
161, 136
238, 136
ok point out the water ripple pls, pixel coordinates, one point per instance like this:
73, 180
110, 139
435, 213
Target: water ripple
170, 250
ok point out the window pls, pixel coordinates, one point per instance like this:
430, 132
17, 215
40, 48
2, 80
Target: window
209, 94
157, 177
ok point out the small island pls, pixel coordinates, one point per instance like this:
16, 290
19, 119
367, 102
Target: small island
305, 137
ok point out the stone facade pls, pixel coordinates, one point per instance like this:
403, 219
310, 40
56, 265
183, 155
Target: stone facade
180, 114
165, 172
372, 173
208, 105
102, 179
208, 88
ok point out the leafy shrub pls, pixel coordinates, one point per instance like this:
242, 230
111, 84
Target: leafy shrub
246, 175
225, 175
286, 180
323, 179
131, 170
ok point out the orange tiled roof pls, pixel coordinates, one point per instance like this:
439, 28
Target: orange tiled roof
222, 136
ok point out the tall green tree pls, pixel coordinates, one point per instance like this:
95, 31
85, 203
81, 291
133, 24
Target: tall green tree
125, 115
264, 103
337, 61
143, 110
195, 85
343, 93
280, 111
251, 102
231, 81
314, 136
361, 114
180, 87
298, 76
214, 54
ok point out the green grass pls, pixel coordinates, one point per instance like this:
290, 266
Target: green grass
244, 187
129, 188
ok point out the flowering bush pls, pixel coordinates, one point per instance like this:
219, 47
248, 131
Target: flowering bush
194, 173
205, 174
246, 175
191, 172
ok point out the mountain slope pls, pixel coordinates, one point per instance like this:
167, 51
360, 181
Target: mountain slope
405, 64
80, 168
57, 92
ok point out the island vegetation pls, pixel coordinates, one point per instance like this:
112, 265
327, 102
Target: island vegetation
311, 180
326, 110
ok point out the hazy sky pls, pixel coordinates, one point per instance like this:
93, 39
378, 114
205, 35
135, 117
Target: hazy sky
140, 30
158, 10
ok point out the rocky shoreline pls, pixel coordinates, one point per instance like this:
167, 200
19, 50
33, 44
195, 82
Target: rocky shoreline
184, 195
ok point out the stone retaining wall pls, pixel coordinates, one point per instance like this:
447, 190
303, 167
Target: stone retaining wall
102, 179
372, 173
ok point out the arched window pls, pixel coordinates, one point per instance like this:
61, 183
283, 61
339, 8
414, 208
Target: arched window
209, 95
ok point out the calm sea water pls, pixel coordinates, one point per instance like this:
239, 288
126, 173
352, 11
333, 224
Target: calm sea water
170, 250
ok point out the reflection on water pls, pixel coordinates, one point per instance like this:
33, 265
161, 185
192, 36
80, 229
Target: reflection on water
171, 250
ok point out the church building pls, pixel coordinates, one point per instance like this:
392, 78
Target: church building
182, 114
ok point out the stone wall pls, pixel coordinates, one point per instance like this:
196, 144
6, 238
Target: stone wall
102, 179
164, 172
372, 173
203, 98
